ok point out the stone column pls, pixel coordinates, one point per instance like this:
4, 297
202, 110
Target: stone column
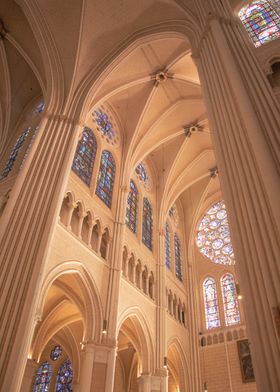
29, 375
144, 383
161, 344
87, 359
192, 324
103, 368
245, 120
113, 290
27, 227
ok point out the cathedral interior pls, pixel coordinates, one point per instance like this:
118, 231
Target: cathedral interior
139, 196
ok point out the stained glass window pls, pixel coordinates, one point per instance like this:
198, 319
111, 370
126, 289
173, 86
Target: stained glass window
174, 215
64, 377
213, 237
147, 224
104, 124
106, 177
211, 303
29, 146
142, 174
230, 301
40, 107
132, 207
178, 263
84, 156
262, 22
43, 378
56, 353
167, 247
14, 153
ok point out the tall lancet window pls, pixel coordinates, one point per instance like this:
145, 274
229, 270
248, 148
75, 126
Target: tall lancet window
64, 377
167, 247
84, 156
147, 224
230, 301
178, 262
43, 378
211, 303
132, 207
262, 21
106, 178
14, 153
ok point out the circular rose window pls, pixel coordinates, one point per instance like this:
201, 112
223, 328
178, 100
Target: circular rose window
213, 236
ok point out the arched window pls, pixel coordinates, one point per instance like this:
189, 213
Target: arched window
43, 378
147, 224
106, 177
213, 237
262, 21
178, 263
84, 156
64, 377
132, 207
14, 153
230, 301
167, 247
211, 303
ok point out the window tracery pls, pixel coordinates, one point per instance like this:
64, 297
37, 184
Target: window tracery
262, 22
178, 262
105, 125
143, 176
213, 237
147, 223
14, 153
56, 353
132, 207
64, 377
211, 303
230, 301
106, 178
43, 378
85, 156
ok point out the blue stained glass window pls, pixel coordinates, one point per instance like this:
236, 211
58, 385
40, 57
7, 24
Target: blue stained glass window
132, 207
56, 353
261, 21
167, 247
178, 263
64, 377
230, 301
14, 153
211, 303
43, 378
85, 155
147, 224
106, 177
